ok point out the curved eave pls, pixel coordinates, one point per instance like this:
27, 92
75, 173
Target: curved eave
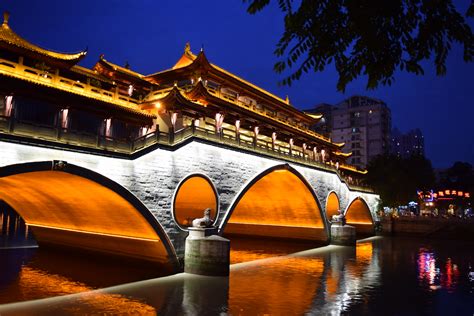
201, 91
9, 38
118, 68
353, 169
90, 73
175, 99
314, 116
341, 154
111, 104
201, 61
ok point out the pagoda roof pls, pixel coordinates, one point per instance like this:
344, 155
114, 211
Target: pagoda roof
342, 154
120, 69
90, 73
201, 97
189, 63
8, 38
316, 116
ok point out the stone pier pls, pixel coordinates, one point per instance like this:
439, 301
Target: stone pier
206, 255
343, 235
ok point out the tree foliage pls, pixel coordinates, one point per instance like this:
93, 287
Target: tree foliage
397, 179
368, 37
459, 176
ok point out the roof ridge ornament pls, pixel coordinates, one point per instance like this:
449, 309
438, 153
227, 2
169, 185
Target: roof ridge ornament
6, 17
287, 99
187, 48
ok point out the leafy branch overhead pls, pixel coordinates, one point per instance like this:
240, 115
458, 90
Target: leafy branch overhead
368, 37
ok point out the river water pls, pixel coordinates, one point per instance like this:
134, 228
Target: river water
380, 276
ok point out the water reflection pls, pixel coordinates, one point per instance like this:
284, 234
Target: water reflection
14, 233
378, 276
434, 274
324, 280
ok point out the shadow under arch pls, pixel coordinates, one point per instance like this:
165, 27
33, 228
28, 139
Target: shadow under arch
69, 206
277, 203
358, 215
332, 205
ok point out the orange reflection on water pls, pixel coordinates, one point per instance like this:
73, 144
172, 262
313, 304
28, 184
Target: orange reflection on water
250, 249
364, 255
284, 286
35, 284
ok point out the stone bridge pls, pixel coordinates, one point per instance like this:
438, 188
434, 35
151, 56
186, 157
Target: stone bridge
140, 206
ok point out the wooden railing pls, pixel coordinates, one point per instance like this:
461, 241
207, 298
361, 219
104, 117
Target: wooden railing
55, 80
9, 125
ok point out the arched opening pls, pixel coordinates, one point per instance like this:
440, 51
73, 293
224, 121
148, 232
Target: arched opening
193, 195
278, 203
332, 205
71, 207
358, 215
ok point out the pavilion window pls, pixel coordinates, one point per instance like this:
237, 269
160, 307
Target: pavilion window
212, 84
108, 127
237, 127
323, 155
35, 111
7, 105
83, 121
64, 118
219, 121
4, 54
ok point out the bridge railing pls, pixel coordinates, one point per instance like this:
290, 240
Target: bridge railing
10, 125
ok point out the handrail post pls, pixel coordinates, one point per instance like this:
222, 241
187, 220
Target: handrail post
171, 134
11, 120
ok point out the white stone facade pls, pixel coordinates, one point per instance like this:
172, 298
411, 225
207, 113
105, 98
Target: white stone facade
154, 177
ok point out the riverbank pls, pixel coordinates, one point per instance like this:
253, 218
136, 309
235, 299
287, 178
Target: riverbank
445, 228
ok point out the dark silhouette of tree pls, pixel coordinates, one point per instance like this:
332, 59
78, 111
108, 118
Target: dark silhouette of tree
459, 176
368, 37
397, 180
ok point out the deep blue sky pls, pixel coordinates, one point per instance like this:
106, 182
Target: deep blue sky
151, 35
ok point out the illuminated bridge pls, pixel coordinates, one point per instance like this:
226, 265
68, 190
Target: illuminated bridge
140, 208
117, 162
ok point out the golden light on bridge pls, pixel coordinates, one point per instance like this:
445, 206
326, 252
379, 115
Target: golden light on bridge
193, 196
69, 210
358, 215
279, 204
332, 205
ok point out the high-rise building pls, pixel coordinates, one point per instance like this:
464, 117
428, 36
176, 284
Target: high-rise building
407, 144
362, 123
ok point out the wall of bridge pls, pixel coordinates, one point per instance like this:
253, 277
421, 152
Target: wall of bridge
154, 177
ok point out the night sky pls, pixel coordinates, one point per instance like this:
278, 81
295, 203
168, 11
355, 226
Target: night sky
151, 35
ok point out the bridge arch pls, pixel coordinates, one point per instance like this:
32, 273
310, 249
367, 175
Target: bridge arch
358, 215
278, 203
332, 205
194, 193
69, 206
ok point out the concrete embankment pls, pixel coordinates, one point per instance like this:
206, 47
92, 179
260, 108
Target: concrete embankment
452, 228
